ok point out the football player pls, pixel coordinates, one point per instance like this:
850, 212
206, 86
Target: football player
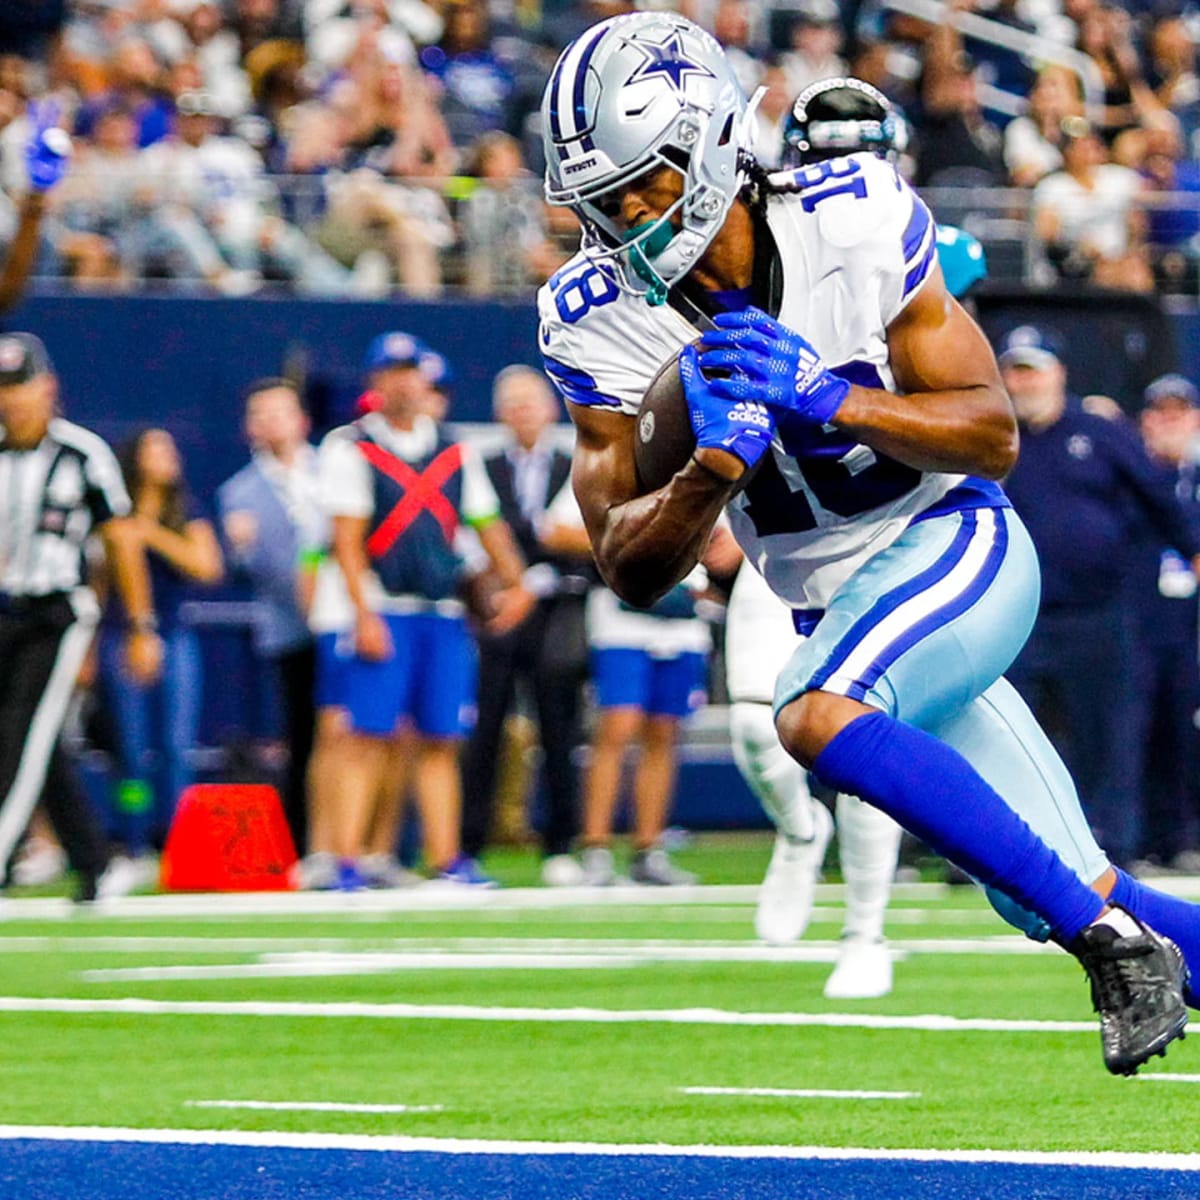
872, 510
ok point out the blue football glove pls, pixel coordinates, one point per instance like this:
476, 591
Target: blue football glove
769, 363
742, 427
48, 151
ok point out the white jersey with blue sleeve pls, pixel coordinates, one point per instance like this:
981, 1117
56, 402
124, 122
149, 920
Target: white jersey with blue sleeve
855, 245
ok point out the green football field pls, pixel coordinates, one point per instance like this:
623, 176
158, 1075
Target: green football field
621, 1016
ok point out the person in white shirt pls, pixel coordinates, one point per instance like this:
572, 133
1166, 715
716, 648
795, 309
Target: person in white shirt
1087, 218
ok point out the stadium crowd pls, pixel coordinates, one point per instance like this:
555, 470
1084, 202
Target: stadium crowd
365, 146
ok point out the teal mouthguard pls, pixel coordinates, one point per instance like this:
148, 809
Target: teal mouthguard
641, 254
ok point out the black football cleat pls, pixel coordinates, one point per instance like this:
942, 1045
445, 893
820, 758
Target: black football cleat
1137, 988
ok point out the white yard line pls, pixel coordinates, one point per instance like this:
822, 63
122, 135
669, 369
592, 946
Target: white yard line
315, 1106
429, 897
1166, 1077
359, 1010
558, 955
393, 1143
799, 1093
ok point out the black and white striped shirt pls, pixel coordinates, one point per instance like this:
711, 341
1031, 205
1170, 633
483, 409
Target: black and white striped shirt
51, 498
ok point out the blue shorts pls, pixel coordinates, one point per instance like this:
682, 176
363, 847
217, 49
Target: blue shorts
929, 623
429, 681
330, 689
660, 687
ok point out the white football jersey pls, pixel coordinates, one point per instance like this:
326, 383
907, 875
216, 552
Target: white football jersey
855, 244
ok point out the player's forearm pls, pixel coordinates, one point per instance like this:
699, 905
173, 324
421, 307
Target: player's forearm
963, 430
650, 543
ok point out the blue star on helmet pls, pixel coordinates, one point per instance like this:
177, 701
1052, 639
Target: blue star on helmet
667, 61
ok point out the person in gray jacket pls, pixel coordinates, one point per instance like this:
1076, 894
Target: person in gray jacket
271, 520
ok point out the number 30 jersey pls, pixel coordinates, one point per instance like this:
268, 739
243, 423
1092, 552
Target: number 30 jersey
855, 245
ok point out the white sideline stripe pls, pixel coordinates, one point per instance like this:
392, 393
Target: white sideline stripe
434, 896
1167, 1077
205, 944
315, 1106
356, 1010
581, 955
381, 1142
800, 1093
303, 966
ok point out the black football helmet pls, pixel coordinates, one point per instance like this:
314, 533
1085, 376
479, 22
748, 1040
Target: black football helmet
840, 116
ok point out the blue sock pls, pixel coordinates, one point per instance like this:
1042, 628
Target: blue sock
933, 791
1169, 915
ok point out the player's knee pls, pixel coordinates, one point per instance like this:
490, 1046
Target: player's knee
809, 723
796, 723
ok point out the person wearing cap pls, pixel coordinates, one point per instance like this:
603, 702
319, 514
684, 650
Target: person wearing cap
398, 489
60, 484
1163, 592
1082, 484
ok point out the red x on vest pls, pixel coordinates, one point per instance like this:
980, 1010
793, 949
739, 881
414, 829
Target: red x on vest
422, 492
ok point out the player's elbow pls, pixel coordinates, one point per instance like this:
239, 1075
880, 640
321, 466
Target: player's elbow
634, 587
999, 455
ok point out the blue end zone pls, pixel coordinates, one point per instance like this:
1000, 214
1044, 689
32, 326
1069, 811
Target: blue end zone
54, 1170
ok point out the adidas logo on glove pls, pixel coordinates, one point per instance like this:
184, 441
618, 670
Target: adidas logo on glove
746, 412
809, 369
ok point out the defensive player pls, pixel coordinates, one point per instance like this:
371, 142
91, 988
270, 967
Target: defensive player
871, 513
830, 118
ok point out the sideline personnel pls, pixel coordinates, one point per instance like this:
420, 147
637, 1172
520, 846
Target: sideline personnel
59, 483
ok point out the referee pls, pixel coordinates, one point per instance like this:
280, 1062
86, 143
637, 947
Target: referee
58, 484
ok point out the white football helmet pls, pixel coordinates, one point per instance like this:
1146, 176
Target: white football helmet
631, 95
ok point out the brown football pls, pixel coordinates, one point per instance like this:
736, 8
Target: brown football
664, 439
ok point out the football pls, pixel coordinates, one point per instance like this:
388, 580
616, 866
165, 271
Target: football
664, 439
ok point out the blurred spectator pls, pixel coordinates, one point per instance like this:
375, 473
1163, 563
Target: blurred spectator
394, 123
1173, 71
96, 200
156, 725
816, 42
1173, 223
957, 145
257, 21
771, 117
61, 483
1162, 589
334, 27
477, 85
527, 475
1081, 485
731, 26
386, 231
1086, 217
503, 237
1033, 143
137, 84
272, 523
397, 489
1105, 37
217, 53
